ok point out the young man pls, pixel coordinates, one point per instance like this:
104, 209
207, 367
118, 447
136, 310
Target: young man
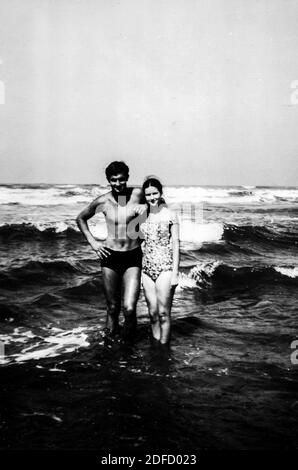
121, 254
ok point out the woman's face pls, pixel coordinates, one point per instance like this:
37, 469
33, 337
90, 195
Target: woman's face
152, 196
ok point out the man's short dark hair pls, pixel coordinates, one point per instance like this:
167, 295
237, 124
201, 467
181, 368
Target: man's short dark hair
115, 168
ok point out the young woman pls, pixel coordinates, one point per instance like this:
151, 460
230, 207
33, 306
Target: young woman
160, 232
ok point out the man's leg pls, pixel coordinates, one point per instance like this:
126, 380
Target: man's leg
131, 290
112, 290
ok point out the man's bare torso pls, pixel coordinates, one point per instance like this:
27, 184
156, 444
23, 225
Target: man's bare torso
122, 219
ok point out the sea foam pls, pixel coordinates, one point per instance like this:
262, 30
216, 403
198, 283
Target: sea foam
287, 271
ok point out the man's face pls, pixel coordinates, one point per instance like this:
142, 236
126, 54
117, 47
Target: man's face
118, 183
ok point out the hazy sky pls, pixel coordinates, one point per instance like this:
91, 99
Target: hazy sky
193, 91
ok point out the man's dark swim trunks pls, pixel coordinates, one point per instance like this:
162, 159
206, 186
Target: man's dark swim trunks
120, 261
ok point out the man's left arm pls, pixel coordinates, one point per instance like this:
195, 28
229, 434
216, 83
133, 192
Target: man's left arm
137, 196
138, 199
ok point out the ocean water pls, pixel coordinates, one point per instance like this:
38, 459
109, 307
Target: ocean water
229, 379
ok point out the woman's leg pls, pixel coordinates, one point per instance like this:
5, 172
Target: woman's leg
165, 293
151, 299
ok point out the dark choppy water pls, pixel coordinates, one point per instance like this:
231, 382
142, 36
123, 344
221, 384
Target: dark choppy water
227, 381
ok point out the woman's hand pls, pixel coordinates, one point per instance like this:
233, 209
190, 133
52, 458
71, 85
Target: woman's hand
101, 251
175, 279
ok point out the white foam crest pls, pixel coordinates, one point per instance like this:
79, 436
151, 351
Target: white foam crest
200, 233
63, 342
186, 282
49, 196
289, 272
199, 275
18, 336
203, 270
97, 228
285, 193
231, 195
72, 194
194, 194
58, 227
274, 194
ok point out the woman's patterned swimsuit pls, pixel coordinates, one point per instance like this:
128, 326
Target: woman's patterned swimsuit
157, 248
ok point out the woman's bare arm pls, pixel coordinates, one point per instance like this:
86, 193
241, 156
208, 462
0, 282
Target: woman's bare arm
176, 247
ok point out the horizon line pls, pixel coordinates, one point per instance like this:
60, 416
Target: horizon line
247, 186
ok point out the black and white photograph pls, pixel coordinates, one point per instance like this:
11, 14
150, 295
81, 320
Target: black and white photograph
148, 229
